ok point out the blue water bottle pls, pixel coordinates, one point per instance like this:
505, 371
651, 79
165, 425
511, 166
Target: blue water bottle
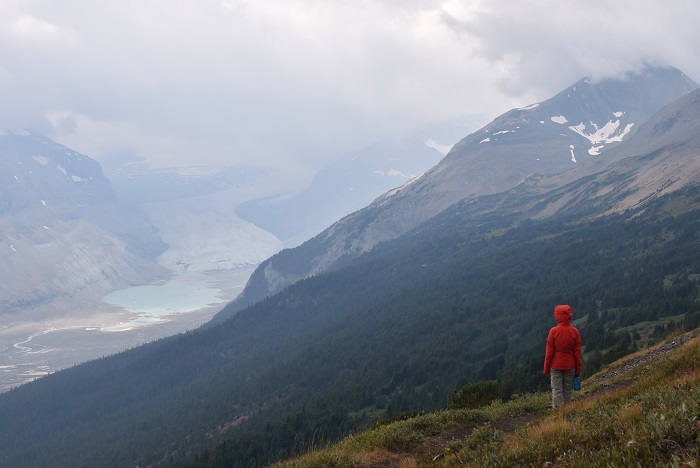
577, 383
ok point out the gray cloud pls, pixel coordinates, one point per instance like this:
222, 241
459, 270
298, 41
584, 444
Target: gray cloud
547, 44
289, 82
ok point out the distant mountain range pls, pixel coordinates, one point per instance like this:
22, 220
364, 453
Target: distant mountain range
447, 281
343, 187
574, 128
62, 231
74, 227
229, 217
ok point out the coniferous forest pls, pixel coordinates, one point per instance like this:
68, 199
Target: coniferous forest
462, 298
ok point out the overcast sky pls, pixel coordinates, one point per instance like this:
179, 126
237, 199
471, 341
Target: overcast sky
292, 82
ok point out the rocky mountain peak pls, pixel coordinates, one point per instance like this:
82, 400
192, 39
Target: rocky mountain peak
35, 171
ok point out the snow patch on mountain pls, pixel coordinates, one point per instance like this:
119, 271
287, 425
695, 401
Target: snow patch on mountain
530, 107
599, 136
560, 119
440, 148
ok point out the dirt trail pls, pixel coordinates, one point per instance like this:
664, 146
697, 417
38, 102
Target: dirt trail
629, 363
434, 447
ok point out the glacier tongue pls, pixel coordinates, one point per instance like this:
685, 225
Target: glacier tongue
204, 233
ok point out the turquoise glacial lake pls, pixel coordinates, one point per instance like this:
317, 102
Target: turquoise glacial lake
184, 292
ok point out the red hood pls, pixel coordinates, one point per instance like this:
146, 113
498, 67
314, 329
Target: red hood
563, 314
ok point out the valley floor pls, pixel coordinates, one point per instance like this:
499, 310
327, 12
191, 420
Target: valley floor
45, 339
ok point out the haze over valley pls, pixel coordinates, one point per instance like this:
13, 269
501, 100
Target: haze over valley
186, 250
232, 231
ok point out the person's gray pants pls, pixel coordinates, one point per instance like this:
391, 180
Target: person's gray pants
562, 386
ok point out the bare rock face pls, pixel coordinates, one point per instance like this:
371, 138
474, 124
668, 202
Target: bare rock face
576, 129
62, 231
578, 125
661, 158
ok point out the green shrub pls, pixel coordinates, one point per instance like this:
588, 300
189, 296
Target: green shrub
402, 417
476, 395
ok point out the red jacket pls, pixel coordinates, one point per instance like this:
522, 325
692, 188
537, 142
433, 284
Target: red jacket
563, 343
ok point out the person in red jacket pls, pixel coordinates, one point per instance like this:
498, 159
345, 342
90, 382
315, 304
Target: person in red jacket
563, 356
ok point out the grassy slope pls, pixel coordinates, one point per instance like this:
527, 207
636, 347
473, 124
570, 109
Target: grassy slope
643, 410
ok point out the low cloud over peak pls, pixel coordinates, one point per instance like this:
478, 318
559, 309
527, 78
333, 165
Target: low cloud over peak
287, 84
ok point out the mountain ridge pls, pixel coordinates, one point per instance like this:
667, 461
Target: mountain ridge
478, 166
659, 159
340, 188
